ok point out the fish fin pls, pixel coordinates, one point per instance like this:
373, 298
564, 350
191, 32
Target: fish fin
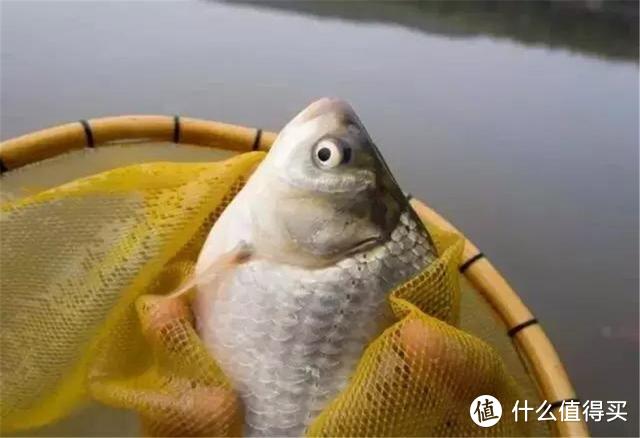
216, 270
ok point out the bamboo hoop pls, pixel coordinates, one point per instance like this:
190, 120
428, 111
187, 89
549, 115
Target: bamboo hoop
47, 143
529, 338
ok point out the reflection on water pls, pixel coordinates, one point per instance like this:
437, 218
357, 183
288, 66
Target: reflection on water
605, 28
531, 149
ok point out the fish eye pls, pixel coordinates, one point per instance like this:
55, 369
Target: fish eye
328, 153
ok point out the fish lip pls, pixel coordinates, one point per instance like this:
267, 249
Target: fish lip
326, 105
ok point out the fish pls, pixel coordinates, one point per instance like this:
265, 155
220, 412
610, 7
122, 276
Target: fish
325, 233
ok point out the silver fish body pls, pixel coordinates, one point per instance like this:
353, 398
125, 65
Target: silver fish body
330, 234
289, 338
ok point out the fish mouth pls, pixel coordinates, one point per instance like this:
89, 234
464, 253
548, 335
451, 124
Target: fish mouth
323, 106
332, 105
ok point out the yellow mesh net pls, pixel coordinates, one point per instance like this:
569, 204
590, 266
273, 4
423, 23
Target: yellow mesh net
84, 316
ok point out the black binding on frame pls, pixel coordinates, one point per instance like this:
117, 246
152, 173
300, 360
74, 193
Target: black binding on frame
176, 129
513, 330
466, 265
88, 133
256, 141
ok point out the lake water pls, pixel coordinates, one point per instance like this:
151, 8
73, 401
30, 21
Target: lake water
521, 127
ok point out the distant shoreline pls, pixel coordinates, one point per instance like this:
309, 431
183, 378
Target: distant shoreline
605, 28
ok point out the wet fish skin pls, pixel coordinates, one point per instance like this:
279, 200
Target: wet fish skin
289, 325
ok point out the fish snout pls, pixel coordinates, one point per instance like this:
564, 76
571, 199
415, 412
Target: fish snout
322, 106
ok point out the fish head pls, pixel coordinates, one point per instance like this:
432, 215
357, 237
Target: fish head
330, 191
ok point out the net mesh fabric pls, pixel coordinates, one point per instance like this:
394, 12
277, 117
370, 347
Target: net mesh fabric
75, 259
422, 374
86, 267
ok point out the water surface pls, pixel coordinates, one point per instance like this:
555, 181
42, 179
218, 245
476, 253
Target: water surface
523, 132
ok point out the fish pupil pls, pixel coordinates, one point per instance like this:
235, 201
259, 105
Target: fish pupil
324, 154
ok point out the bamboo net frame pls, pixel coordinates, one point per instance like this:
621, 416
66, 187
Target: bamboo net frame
530, 340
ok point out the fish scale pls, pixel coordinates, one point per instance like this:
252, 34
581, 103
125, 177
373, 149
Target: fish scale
289, 337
